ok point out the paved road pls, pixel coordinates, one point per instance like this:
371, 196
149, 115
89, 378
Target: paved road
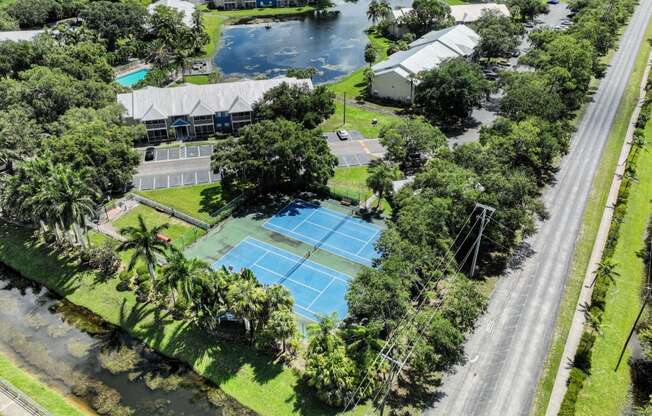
507, 351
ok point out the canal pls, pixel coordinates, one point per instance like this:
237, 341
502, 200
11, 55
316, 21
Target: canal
333, 44
97, 364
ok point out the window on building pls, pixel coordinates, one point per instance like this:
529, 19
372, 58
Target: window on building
160, 134
205, 130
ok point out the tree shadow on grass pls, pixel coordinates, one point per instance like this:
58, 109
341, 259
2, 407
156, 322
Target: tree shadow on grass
212, 199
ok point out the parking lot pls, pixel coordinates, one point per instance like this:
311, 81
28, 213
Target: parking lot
191, 165
179, 152
356, 151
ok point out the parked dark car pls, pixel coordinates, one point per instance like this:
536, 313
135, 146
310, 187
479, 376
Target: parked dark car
149, 154
343, 135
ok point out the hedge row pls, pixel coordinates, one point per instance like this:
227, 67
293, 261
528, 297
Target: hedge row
582, 360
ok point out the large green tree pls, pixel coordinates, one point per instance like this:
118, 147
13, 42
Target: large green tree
308, 107
448, 94
115, 20
427, 15
411, 142
526, 9
499, 35
275, 156
97, 139
531, 94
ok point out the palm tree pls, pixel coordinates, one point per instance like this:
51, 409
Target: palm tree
145, 244
283, 325
246, 299
180, 274
73, 196
323, 335
159, 54
378, 10
381, 176
606, 270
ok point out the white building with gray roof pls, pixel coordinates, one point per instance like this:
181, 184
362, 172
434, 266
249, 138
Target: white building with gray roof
20, 35
191, 111
396, 78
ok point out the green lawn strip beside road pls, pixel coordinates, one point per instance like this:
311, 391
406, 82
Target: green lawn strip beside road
589, 228
199, 201
45, 396
622, 302
251, 378
181, 233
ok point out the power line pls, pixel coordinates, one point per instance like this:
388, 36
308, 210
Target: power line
408, 318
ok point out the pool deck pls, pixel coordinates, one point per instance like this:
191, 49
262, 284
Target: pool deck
127, 71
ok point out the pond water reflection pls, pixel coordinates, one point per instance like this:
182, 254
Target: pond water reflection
96, 363
332, 44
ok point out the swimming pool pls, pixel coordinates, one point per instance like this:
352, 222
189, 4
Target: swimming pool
132, 78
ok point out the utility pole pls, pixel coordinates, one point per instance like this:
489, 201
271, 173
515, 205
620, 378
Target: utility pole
648, 292
344, 103
390, 380
483, 224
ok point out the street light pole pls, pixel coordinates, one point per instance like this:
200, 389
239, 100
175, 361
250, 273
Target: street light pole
344, 103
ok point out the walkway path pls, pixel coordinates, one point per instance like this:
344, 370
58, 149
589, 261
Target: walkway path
508, 349
14, 403
579, 318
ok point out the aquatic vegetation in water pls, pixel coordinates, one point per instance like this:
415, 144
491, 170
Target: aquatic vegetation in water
57, 331
107, 402
159, 381
119, 360
78, 349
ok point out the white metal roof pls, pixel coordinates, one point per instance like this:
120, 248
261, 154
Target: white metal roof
430, 50
19, 35
467, 13
184, 7
463, 13
153, 103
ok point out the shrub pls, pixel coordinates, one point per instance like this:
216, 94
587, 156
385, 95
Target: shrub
583, 355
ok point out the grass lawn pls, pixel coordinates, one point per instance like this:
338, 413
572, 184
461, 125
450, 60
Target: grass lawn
622, 303
199, 201
590, 224
351, 182
357, 119
196, 79
180, 232
251, 378
49, 399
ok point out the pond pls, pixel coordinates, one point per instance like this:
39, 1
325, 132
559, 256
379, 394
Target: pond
95, 363
332, 44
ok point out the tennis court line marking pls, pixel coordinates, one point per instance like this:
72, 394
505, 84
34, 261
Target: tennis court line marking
335, 214
282, 277
296, 261
334, 249
340, 232
370, 240
320, 293
304, 220
307, 310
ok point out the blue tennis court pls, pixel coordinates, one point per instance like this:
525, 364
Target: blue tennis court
340, 234
316, 289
